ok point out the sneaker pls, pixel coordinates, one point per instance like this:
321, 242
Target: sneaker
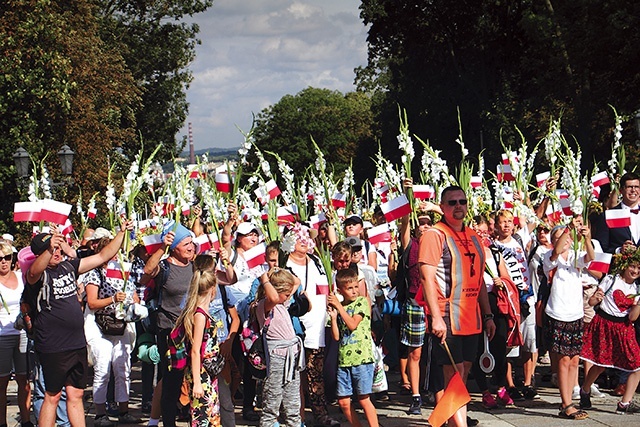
127, 418
515, 394
575, 394
504, 398
630, 408
102, 421
488, 401
585, 400
595, 391
530, 393
544, 359
414, 409
146, 407
250, 415
112, 409
472, 422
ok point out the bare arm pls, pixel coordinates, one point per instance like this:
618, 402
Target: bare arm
199, 323
102, 257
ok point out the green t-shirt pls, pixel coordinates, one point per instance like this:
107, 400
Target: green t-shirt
355, 346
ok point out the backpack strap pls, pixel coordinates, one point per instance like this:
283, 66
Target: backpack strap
225, 305
234, 257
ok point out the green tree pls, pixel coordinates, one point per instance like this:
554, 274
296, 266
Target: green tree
503, 64
340, 125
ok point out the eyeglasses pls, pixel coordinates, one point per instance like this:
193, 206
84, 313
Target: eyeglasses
6, 258
461, 202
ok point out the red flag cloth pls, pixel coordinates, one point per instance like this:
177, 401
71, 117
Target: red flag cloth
541, 178
152, 242
396, 208
476, 182
92, 213
223, 183
66, 228
55, 212
205, 242
379, 233
273, 189
287, 214
115, 270
618, 218
339, 200
26, 211
255, 256
424, 192
601, 262
317, 220
600, 179
455, 397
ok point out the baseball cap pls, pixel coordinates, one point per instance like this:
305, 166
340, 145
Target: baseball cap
353, 219
40, 243
101, 233
354, 242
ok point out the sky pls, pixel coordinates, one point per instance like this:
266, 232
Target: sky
253, 52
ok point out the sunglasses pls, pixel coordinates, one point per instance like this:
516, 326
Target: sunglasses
6, 258
461, 202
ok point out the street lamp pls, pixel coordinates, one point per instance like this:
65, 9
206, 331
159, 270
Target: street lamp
66, 159
22, 162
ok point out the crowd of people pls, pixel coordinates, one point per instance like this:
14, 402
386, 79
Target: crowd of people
431, 295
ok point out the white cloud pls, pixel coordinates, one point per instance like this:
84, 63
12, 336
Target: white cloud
254, 52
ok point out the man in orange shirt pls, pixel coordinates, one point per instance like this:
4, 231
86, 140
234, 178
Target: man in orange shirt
451, 260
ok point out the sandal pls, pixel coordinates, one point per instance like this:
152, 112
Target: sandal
579, 414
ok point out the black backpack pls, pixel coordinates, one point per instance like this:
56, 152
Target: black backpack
401, 281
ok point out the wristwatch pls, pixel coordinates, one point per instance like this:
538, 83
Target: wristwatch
486, 317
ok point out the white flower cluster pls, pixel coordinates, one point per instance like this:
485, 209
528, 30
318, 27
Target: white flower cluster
435, 168
387, 172
617, 137
45, 184
463, 149
552, 142
406, 145
264, 165
347, 181
571, 181
246, 147
110, 197
287, 174
33, 187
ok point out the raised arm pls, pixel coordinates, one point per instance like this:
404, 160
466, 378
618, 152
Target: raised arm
109, 251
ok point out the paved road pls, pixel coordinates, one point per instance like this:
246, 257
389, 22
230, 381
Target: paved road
391, 413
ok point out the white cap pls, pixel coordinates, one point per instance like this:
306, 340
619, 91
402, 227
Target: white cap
8, 237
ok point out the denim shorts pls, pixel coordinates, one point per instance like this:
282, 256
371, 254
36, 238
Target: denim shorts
13, 354
355, 380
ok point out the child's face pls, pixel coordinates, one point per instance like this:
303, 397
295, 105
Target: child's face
272, 259
342, 262
349, 291
631, 273
356, 256
285, 296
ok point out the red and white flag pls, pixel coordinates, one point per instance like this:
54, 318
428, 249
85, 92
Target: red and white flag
617, 218
507, 201
66, 228
317, 220
601, 262
206, 242
91, 214
143, 225
554, 212
339, 200
26, 211
596, 192
223, 182
383, 191
36, 230
379, 233
562, 194
152, 242
505, 173
322, 287
272, 189
55, 212
542, 178
424, 192
115, 270
194, 172
287, 214
514, 158
255, 256
565, 204
476, 182
600, 179
186, 210
396, 208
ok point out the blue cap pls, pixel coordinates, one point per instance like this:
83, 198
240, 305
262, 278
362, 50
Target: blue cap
181, 232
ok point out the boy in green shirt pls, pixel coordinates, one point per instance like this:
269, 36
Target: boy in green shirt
351, 327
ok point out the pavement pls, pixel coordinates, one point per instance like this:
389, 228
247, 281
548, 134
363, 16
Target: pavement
391, 412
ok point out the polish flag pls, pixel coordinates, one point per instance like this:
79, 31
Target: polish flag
272, 189
55, 212
596, 192
600, 179
542, 178
562, 194
115, 270
505, 158
223, 183
339, 200
287, 214
322, 287
601, 262
554, 212
143, 225
507, 201
317, 220
91, 214
152, 242
383, 190
66, 228
617, 218
194, 173
255, 256
206, 242
476, 182
566, 207
379, 233
505, 173
36, 230
396, 208
26, 211
424, 192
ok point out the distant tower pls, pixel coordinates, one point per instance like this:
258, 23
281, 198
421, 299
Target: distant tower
192, 154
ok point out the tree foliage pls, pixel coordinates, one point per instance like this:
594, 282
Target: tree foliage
339, 123
504, 64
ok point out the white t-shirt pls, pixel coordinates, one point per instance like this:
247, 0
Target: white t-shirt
616, 289
565, 297
12, 298
241, 288
317, 286
515, 259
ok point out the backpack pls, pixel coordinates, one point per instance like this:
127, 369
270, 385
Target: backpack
253, 343
401, 281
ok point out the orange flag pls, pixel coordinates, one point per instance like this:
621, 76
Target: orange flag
455, 397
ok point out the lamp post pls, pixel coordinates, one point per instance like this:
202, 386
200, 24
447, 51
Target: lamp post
22, 160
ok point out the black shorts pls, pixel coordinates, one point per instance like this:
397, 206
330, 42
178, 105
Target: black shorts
464, 348
64, 368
